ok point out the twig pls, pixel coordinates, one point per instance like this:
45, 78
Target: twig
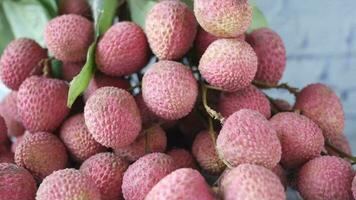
285, 86
341, 153
213, 114
212, 131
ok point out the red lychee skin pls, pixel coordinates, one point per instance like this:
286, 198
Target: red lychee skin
20, 59
42, 103
248, 137
7, 157
70, 70
204, 152
282, 105
3, 130
41, 153
182, 158
153, 139
107, 171
320, 104
301, 139
77, 139
326, 178
354, 187
122, 50
281, 173
146, 172
67, 184
68, 37
183, 183
78, 7
8, 109
271, 53
171, 28
249, 98
340, 142
229, 18
229, 64
112, 117
169, 98
16, 183
147, 116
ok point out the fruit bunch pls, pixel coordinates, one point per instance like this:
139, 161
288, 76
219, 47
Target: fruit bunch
175, 110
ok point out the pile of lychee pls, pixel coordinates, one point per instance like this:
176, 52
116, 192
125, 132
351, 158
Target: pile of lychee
196, 125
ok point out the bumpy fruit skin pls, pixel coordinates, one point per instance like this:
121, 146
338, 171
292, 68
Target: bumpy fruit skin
20, 60
326, 178
76, 137
183, 183
249, 98
146, 172
229, 64
3, 130
319, 103
107, 171
16, 183
248, 137
153, 139
67, 184
281, 105
70, 70
147, 116
229, 18
300, 137
271, 53
41, 153
171, 28
341, 142
182, 158
353, 188
78, 7
122, 50
42, 103
204, 152
68, 37
167, 97
251, 182
8, 109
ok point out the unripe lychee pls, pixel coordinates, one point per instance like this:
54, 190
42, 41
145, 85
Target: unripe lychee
183, 183
229, 64
9, 111
20, 59
122, 50
228, 18
326, 178
107, 171
171, 28
319, 103
67, 184
169, 90
340, 142
42, 103
70, 70
68, 37
271, 54
78, 7
143, 174
182, 158
248, 137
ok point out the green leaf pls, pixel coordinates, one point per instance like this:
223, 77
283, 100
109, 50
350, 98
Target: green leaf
189, 3
258, 19
56, 68
104, 13
51, 6
139, 10
5, 30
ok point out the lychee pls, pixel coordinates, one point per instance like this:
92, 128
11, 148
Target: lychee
340, 142
281, 105
182, 158
7, 157
353, 188
147, 116
70, 70
78, 7
9, 111
3, 130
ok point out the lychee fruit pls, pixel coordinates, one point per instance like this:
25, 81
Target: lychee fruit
68, 37
107, 171
353, 188
122, 50
340, 142
182, 158
171, 28
20, 59
169, 98
3, 130
281, 105
112, 117
7, 157
229, 64
78, 7
42, 103
9, 111
248, 137
70, 70
147, 116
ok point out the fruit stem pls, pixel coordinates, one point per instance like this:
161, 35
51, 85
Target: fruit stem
341, 153
213, 88
213, 114
285, 86
211, 130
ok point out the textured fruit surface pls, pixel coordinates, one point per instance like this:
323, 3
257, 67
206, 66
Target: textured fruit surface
107, 171
3, 130
70, 70
122, 50
341, 142
77, 139
146, 172
248, 137
112, 117
326, 178
300, 137
41, 153
319, 103
228, 18
171, 28
42, 103
20, 60
204, 152
183, 183
16, 183
9, 111
182, 158
167, 97
271, 54
147, 116
249, 98
78, 7
67, 184
68, 37
229, 64
353, 188
282, 105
